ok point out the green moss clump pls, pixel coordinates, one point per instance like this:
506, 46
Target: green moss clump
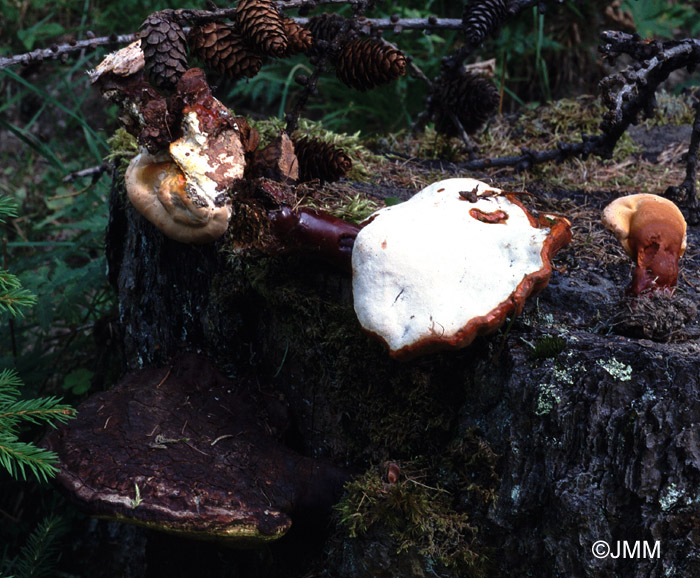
547, 346
353, 210
433, 508
362, 158
122, 148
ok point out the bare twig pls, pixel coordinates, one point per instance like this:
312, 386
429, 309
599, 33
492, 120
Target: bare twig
94, 172
60, 50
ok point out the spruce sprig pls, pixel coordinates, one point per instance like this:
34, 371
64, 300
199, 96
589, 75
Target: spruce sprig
37, 557
12, 296
16, 456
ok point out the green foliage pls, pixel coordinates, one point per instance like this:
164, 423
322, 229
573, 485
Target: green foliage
30, 24
37, 557
661, 18
16, 455
13, 297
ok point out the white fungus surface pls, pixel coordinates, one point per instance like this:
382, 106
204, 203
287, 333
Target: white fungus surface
425, 268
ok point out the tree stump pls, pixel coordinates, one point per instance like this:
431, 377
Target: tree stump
528, 453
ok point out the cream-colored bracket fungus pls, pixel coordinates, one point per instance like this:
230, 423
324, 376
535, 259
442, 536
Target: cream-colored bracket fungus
652, 232
185, 191
450, 264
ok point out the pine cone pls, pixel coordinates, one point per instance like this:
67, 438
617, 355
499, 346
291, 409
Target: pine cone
471, 97
261, 26
164, 49
366, 63
482, 18
222, 49
326, 28
299, 38
320, 160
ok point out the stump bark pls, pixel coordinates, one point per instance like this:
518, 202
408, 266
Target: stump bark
595, 435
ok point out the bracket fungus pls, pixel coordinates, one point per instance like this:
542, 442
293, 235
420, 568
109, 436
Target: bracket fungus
652, 231
450, 264
185, 191
178, 449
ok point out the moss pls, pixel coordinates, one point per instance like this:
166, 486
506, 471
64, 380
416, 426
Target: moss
431, 508
314, 349
353, 209
671, 109
362, 158
122, 148
546, 347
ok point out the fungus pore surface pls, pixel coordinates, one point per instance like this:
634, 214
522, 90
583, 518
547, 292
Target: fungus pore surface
449, 264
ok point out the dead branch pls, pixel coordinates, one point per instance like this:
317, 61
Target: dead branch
57, 51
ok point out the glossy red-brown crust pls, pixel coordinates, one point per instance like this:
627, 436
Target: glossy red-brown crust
559, 236
313, 232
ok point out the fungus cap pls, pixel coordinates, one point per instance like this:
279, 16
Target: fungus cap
652, 231
450, 264
179, 449
184, 192
159, 190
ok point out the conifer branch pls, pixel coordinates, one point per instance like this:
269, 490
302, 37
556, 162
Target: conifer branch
16, 456
36, 560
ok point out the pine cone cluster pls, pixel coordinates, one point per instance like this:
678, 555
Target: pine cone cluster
471, 97
299, 39
482, 18
320, 160
222, 49
164, 48
364, 63
238, 49
326, 28
261, 25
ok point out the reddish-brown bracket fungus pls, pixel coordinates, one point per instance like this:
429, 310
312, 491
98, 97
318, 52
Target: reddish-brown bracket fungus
652, 231
180, 450
450, 264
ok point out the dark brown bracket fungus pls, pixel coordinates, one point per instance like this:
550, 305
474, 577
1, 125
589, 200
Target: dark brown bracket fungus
450, 264
178, 449
652, 231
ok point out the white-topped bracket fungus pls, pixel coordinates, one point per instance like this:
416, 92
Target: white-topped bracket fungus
180, 449
450, 264
185, 191
652, 231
